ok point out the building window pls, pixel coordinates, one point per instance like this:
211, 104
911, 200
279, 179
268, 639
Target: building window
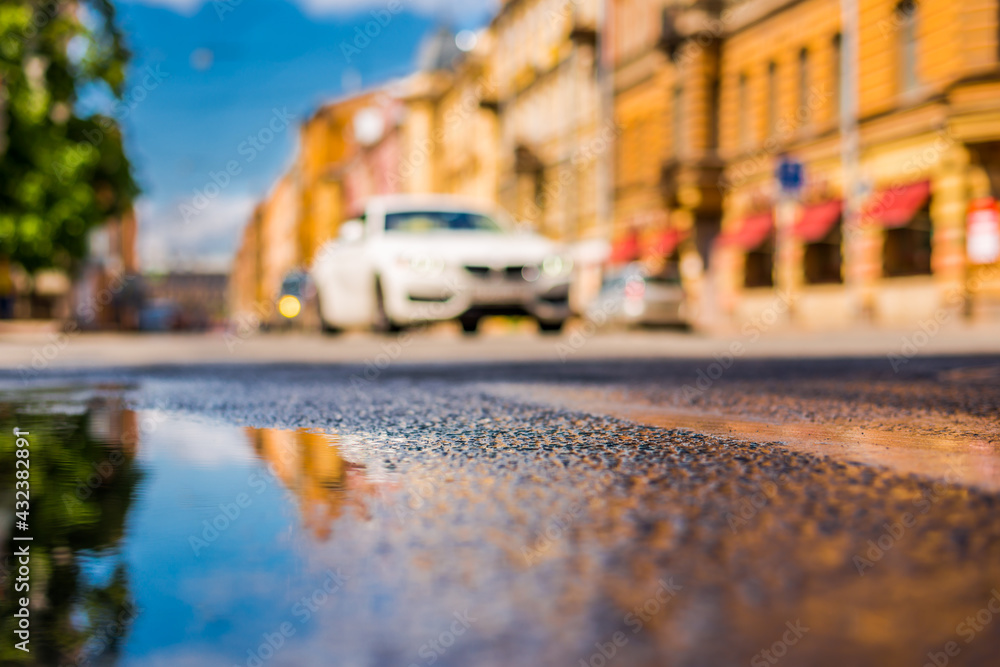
759, 269
823, 259
908, 249
837, 83
678, 120
713, 110
743, 112
803, 113
906, 18
772, 99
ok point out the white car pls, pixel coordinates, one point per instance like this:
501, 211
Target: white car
425, 258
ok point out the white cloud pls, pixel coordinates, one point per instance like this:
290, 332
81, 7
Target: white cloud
447, 9
442, 8
186, 7
207, 242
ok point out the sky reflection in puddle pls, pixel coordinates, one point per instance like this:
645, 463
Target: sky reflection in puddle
159, 539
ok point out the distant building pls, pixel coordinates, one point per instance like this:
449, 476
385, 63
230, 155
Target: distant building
551, 144
107, 290
198, 299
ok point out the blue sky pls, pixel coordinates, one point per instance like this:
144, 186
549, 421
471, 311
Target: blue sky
209, 74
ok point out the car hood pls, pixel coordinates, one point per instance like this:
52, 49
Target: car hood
472, 248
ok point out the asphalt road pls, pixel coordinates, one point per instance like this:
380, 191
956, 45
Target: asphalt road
580, 511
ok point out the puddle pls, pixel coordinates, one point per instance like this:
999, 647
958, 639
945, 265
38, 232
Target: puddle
156, 535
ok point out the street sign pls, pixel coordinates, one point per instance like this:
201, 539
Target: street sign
790, 175
983, 235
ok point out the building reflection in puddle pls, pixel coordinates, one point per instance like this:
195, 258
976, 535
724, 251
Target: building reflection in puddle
121, 572
310, 466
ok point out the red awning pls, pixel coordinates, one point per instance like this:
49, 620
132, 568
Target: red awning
817, 220
896, 206
624, 250
662, 244
752, 232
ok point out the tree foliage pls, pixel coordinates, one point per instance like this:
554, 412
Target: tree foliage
60, 174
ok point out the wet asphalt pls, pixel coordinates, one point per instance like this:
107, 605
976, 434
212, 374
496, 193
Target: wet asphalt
498, 529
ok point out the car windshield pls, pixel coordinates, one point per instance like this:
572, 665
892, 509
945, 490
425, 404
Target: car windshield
293, 284
419, 222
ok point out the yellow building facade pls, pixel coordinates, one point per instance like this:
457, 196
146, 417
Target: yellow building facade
876, 234
551, 143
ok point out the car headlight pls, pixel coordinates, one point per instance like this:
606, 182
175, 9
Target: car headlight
555, 266
289, 306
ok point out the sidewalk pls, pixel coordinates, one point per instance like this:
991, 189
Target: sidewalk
42, 350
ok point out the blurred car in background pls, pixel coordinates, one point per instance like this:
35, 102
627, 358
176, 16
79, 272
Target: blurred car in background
425, 258
632, 297
161, 315
295, 306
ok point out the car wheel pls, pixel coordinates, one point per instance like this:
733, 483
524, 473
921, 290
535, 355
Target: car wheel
328, 329
550, 327
383, 323
470, 324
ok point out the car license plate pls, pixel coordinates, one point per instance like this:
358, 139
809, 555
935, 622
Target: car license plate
499, 294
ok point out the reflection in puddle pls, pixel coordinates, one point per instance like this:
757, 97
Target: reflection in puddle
83, 483
311, 467
161, 540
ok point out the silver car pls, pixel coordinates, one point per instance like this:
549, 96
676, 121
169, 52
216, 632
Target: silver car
631, 297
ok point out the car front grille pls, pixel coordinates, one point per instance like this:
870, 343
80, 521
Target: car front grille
507, 272
479, 271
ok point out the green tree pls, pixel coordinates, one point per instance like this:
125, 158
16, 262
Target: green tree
60, 174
